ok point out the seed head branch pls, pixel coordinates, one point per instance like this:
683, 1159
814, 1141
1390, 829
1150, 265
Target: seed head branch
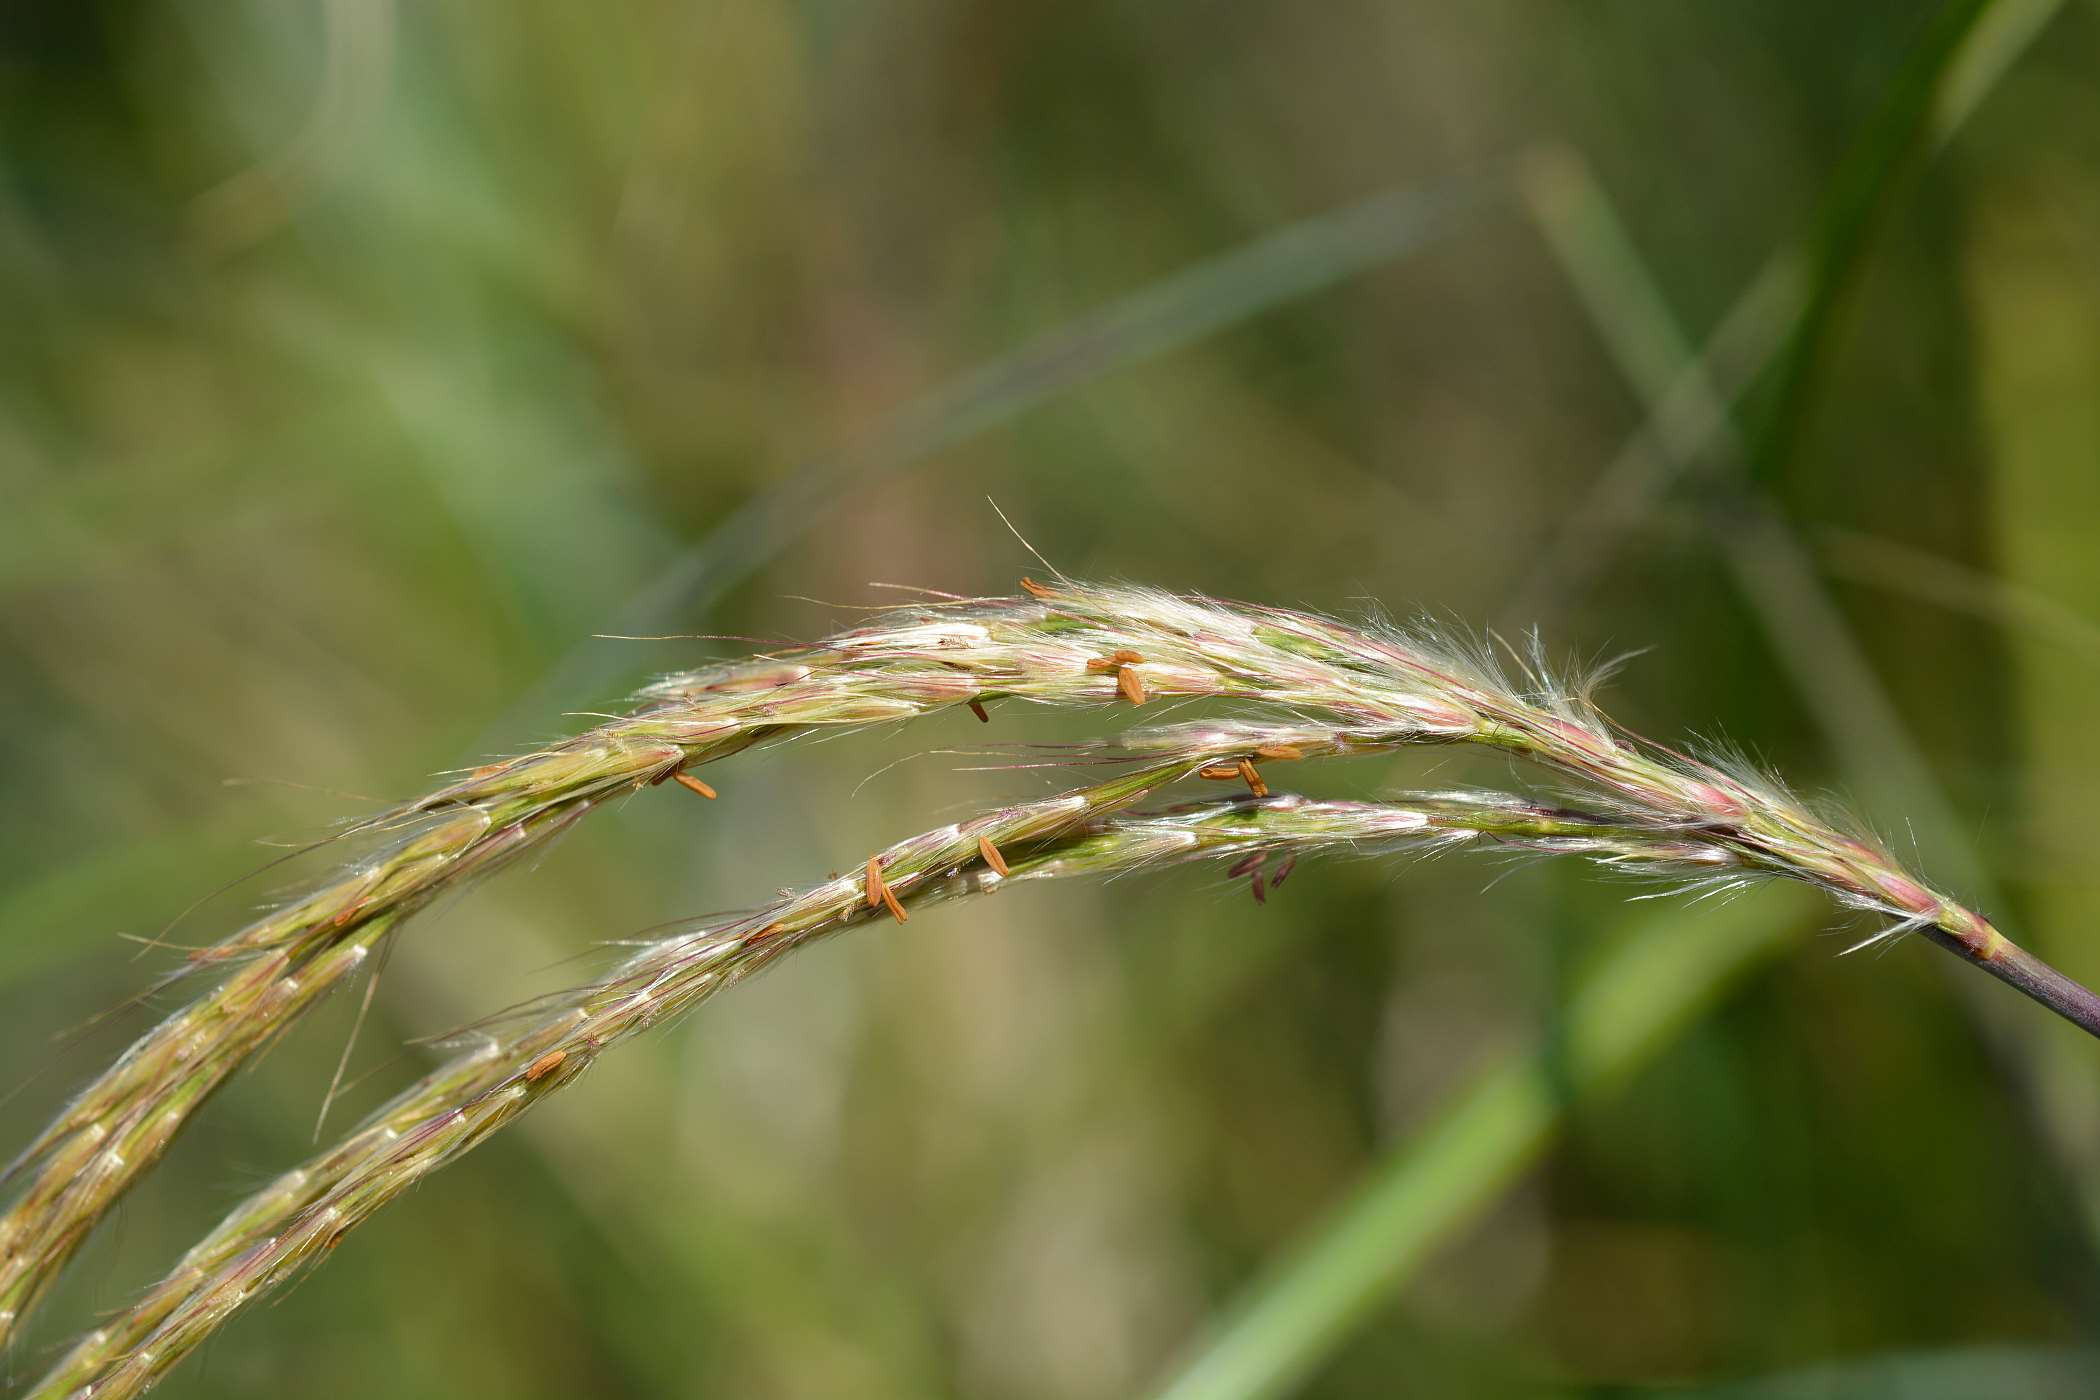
300, 1217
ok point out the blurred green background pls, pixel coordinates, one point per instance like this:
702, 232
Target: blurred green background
359, 361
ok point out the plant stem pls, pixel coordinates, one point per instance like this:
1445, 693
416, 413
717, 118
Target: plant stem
2024, 972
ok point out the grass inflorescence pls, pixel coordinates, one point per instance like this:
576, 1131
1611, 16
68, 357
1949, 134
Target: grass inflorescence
1312, 687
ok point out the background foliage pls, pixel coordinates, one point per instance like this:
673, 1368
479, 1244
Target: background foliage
359, 361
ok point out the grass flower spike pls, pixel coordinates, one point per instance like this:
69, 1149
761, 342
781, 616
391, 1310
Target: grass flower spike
305, 1213
1305, 686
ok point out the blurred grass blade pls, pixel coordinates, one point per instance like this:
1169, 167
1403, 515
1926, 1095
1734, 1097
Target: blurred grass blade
1688, 409
1996, 43
1175, 311
1950, 584
1859, 198
1666, 973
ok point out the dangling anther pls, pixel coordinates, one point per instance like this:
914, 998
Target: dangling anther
1034, 589
1254, 783
1220, 772
1133, 688
977, 709
688, 781
875, 886
992, 857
